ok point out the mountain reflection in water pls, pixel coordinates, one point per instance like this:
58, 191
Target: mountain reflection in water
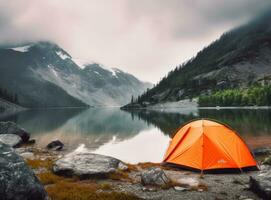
138, 136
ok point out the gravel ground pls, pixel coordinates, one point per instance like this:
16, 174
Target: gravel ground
215, 186
193, 186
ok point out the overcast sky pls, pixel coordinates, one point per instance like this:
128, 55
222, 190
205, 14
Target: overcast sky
147, 38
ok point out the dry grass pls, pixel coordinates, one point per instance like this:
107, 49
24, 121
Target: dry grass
62, 188
148, 165
36, 164
85, 191
65, 190
105, 186
131, 167
48, 178
120, 176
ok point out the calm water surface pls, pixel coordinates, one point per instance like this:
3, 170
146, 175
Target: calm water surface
133, 137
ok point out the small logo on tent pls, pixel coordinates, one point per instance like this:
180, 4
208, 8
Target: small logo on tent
221, 161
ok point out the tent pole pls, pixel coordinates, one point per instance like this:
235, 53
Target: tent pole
201, 173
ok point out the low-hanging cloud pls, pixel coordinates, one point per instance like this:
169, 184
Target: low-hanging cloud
144, 37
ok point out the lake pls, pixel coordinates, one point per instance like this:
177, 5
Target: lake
138, 136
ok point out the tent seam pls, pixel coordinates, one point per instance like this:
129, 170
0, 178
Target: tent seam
228, 154
185, 134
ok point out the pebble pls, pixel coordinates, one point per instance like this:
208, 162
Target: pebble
178, 188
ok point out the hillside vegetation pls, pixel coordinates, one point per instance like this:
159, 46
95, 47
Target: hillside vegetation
238, 59
251, 96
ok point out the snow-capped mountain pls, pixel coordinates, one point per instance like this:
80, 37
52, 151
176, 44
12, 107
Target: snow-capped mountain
43, 74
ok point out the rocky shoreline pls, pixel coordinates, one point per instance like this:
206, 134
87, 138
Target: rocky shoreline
50, 173
181, 104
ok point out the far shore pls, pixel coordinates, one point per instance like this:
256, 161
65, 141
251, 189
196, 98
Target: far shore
237, 107
200, 108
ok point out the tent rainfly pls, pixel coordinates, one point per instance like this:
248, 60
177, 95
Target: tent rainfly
208, 145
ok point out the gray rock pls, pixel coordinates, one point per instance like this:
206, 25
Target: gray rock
265, 168
17, 180
28, 155
262, 151
122, 166
155, 177
179, 188
261, 184
55, 145
13, 128
86, 165
11, 139
149, 189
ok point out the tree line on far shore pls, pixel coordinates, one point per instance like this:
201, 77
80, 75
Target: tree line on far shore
4, 94
256, 95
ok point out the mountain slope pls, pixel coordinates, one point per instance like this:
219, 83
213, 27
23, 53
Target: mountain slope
16, 75
45, 75
112, 87
239, 58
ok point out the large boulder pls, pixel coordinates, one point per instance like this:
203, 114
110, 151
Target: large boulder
85, 165
17, 180
154, 177
13, 128
261, 182
55, 145
11, 139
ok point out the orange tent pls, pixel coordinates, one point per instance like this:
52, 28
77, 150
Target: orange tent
208, 145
